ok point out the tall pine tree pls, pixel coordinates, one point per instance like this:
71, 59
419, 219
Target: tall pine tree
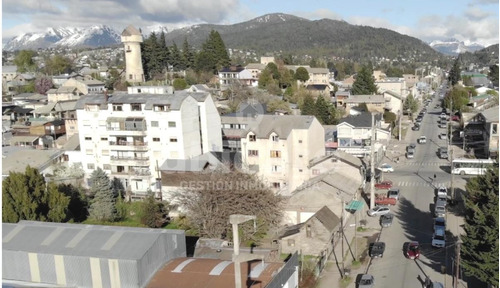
364, 83
479, 250
308, 106
103, 206
213, 55
454, 75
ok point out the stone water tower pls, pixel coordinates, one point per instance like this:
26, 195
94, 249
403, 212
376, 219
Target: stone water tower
132, 39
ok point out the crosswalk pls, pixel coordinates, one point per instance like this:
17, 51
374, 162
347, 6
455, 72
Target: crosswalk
425, 164
422, 184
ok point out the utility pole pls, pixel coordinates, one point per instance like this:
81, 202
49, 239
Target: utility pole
372, 164
342, 235
457, 267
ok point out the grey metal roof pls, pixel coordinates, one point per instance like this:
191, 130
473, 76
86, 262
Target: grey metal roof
130, 30
282, 125
80, 240
17, 160
200, 96
9, 69
491, 114
327, 218
199, 163
362, 120
365, 99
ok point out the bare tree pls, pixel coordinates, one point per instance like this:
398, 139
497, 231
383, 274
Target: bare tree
210, 201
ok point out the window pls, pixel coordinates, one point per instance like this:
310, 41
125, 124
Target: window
251, 138
117, 107
130, 75
276, 184
300, 170
171, 124
275, 138
173, 139
315, 171
138, 90
300, 156
156, 139
105, 152
91, 166
135, 107
158, 108
494, 128
154, 123
308, 231
87, 138
275, 154
89, 152
104, 138
300, 141
275, 168
106, 167
253, 152
291, 242
120, 169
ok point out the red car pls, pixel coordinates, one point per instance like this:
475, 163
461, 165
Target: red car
455, 118
413, 250
387, 184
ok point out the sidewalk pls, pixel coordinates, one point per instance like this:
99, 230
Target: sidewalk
331, 276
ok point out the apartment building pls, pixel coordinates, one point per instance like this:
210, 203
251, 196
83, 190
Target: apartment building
130, 135
279, 148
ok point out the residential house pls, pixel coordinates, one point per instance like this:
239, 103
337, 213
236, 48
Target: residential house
315, 237
354, 134
393, 101
58, 80
127, 135
255, 69
348, 82
279, 149
340, 97
410, 79
24, 99
341, 178
374, 103
53, 128
378, 75
236, 75
57, 110
483, 129
86, 86
317, 90
9, 72
20, 80
477, 79
64, 93
331, 143
15, 158
394, 84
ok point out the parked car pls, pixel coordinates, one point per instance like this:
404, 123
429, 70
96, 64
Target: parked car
412, 145
442, 199
393, 193
376, 249
410, 155
439, 223
378, 210
386, 184
439, 238
386, 220
443, 152
439, 211
386, 168
419, 119
443, 115
442, 136
416, 127
412, 250
442, 191
422, 140
436, 285
366, 281
442, 125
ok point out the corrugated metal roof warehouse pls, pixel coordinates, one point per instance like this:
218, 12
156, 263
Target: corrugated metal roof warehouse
86, 255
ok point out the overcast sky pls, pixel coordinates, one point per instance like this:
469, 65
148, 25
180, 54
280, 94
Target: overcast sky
466, 20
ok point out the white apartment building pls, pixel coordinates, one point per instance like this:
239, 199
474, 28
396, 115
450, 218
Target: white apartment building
130, 135
279, 148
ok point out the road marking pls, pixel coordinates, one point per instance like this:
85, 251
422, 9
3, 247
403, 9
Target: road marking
423, 184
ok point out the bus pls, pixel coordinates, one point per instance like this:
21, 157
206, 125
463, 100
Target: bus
466, 166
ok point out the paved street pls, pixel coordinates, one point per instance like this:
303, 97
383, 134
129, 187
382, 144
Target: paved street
414, 216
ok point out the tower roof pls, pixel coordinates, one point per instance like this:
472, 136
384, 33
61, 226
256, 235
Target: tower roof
131, 30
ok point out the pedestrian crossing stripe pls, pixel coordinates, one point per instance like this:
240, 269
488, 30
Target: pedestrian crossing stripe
425, 164
423, 184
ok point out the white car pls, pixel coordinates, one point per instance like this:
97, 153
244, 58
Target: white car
439, 238
442, 136
442, 192
422, 140
386, 168
443, 116
378, 210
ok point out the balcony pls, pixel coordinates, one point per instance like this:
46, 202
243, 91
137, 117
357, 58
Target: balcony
126, 131
124, 160
135, 173
125, 145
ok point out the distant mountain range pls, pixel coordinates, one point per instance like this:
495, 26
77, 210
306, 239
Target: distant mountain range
453, 47
276, 32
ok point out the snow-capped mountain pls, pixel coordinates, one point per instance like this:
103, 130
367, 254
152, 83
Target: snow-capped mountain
94, 36
454, 47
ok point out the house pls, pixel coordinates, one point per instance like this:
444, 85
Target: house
57, 110
191, 272
9, 72
20, 80
64, 93
58, 80
236, 75
15, 158
319, 90
315, 236
489, 122
101, 256
53, 128
375, 103
394, 84
393, 101
354, 134
85, 86
477, 79
279, 149
128, 135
